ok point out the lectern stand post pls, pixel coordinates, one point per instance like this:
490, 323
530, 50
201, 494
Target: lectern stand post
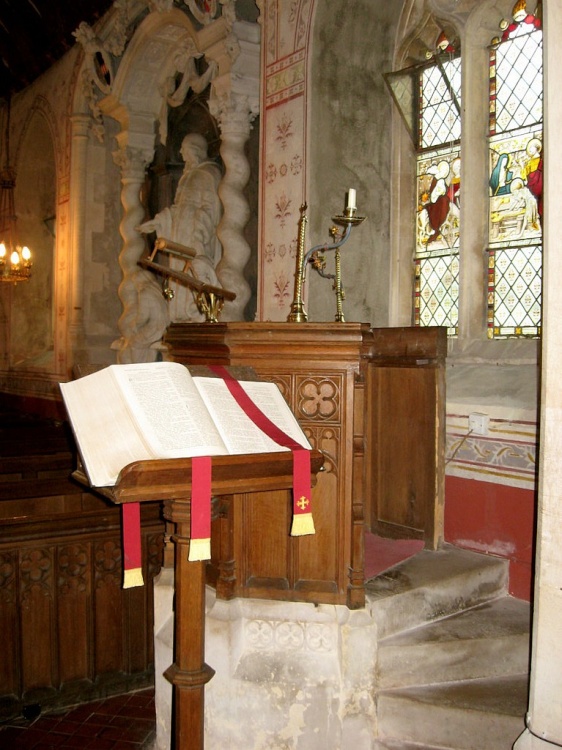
189, 674
170, 480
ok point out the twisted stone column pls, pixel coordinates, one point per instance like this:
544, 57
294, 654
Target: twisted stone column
234, 117
145, 314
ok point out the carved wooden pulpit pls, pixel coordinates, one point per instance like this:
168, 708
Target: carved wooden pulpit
318, 369
170, 481
373, 401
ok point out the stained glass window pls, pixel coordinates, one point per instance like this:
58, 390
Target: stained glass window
515, 179
440, 87
438, 177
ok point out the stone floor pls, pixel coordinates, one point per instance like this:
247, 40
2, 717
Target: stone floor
122, 722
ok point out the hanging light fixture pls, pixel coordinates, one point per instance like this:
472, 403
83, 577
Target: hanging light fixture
15, 260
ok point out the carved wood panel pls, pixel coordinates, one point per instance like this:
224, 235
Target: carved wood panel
74, 633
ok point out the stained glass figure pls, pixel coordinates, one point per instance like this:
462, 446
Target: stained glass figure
516, 203
428, 96
439, 197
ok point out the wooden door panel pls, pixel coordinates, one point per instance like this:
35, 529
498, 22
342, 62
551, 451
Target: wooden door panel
405, 476
405, 433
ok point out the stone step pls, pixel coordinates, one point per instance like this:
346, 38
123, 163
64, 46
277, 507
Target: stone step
490, 640
400, 745
472, 715
432, 585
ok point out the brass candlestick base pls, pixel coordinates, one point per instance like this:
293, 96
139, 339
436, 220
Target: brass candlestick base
297, 314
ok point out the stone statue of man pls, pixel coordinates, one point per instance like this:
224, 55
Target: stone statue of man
192, 220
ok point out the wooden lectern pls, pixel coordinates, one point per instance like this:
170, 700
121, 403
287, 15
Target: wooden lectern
170, 481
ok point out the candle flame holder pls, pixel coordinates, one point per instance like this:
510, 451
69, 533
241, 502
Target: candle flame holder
317, 260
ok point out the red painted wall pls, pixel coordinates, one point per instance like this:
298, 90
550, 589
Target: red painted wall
497, 520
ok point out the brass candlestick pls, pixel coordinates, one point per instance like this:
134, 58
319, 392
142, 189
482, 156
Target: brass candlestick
348, 220
298, 314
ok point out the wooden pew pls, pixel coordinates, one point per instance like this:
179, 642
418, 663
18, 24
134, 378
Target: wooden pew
73, 633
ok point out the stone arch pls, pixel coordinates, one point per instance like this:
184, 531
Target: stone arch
136, 95
37, 163
42, 107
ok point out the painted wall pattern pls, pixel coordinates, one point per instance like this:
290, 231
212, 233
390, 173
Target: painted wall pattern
283, 151
506, 455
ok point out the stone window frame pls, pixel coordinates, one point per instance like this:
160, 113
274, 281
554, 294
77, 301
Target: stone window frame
475, 27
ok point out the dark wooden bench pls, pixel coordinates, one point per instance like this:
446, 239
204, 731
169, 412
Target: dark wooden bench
61, 578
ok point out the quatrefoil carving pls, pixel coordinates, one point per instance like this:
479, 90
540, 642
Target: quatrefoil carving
319, 398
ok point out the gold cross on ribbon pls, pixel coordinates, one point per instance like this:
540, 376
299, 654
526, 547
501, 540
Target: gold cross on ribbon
303, 502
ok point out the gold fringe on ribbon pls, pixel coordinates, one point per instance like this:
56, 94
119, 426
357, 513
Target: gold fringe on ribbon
303, 524
199, 549
132, 577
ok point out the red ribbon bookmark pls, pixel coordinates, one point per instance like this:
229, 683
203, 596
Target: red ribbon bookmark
132, 547
303, 522
200, 542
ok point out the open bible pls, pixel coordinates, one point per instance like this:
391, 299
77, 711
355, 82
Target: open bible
157, 410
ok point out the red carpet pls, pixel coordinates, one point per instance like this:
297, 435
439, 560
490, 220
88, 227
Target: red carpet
381, 554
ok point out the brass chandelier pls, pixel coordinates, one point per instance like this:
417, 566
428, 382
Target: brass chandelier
15, 260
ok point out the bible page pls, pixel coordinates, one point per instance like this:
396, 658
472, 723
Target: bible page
106, 435
238, 431
168, 410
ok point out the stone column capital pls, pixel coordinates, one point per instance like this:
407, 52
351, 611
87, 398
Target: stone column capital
80, 125
237, 92
233, 112
132, 162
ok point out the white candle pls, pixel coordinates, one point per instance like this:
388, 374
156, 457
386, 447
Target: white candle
351, 199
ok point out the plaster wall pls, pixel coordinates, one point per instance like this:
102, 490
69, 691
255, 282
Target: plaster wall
32, 335
350, 147
496, 520
283, 157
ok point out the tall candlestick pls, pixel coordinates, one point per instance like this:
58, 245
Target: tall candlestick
315, 258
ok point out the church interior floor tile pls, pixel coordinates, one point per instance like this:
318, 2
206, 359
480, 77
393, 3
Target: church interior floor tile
122, 722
